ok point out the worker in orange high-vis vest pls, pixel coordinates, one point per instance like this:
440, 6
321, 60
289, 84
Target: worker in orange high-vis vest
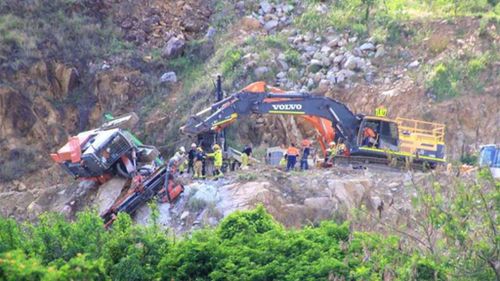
369, 137
291, 157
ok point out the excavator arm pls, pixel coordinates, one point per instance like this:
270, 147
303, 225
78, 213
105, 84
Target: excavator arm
256, 99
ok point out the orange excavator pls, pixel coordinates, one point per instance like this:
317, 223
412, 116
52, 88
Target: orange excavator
112, 151
332, 120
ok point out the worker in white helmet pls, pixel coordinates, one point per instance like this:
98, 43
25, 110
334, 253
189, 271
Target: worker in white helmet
191, 156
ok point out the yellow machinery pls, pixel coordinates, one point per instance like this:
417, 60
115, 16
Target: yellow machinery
402, 137
421, 138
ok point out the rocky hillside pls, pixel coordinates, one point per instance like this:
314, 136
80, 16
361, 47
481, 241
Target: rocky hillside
63, 64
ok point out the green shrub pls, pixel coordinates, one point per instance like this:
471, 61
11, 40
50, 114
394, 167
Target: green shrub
292, 56
312, 20
232, 58
277, 41
444, 81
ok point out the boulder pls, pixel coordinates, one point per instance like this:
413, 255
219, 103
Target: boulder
266, 7
314, 66
414, 64
324, 203
271, 25
367, 47
380, 51
174, 47
353, 62
211, 33
334, 42
168, 77
261, 71
338, 59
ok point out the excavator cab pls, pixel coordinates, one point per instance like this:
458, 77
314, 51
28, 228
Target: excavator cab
385, 133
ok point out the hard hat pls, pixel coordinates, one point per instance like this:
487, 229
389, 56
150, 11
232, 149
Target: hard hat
199, 148
332, 143
216, 147
182, 149
193, 145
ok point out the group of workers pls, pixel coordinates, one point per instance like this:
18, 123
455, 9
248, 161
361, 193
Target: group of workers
196, 161
196, 157
289, 159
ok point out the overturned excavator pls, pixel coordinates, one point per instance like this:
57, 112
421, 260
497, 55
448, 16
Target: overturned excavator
112, 151
400, 138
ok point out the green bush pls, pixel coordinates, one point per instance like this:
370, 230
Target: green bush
444, 81
292, 57
231, 59
457, 243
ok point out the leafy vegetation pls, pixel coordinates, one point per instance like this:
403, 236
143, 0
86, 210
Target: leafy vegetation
451, 77
454, 238
71, 31
370, 16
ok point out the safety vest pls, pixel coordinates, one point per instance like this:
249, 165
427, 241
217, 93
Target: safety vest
368, 132
217, 155
306, 143
292, 151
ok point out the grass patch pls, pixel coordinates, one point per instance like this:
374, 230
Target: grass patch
292, 57
452, 77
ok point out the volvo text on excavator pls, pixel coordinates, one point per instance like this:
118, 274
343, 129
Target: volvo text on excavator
400, 138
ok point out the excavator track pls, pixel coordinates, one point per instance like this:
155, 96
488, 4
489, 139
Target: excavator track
362, 161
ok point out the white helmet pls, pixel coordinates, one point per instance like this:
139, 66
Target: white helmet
182, 149
193, 145
332, 143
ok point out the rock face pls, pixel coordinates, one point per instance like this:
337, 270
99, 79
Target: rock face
174, 47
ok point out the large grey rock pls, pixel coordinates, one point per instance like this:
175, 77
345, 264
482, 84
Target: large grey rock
174, 47
326, 49
281, 75
338, 59
314, 66
367, 47
380, 51
210, 33
266, 7
108, 193
261, 71
414, 64
271, 25
168, 77
334, 42
354, 62
351, 62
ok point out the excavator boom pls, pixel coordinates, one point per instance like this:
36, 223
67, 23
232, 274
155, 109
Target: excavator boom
315, 109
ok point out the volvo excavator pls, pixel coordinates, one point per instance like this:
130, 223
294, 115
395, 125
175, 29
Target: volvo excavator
113, 151
406, 139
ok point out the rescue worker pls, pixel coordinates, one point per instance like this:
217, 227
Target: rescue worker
177, 161
217, 156
181, 155
245, 156
369, 137
291, 156
330, 152
198, 163
191, 156
341, 147
306, 150
282, 163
